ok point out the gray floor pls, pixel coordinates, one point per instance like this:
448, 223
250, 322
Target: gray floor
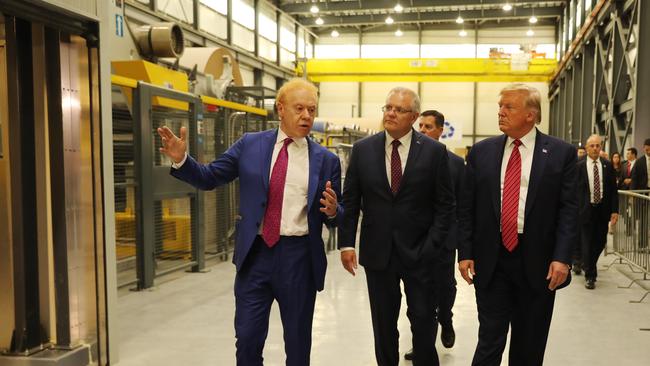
188, 320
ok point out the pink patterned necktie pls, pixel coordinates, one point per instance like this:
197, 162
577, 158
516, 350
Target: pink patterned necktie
273, 214
510, 204
395, 168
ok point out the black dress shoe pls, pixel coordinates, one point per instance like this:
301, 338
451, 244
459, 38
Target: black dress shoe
590, 284
409, 355
448, 336
577, 270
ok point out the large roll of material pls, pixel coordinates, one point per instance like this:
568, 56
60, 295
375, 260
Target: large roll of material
212, 61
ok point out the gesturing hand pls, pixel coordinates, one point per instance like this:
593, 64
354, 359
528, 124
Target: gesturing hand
173, 146
329, 200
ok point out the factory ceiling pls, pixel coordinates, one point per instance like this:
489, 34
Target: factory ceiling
369, 15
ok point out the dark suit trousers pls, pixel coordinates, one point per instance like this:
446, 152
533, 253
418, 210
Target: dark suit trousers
593, 237
282, 273
509, 301
445, 282
385, 299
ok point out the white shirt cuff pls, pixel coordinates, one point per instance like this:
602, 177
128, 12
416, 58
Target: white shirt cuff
345, 249
179, 165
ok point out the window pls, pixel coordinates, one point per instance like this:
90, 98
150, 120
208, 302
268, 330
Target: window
244, 13
221, 6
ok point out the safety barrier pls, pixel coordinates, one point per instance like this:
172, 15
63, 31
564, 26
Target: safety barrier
632, 232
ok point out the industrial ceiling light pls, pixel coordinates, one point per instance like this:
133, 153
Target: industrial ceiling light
533, 18
398, 33
389, 20
530, 33
462, 33
319, 21
460, 19
314, 9
507, 7
398, 8
335, 33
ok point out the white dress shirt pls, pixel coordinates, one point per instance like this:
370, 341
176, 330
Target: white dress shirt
294, 202
402, 150
526, 150
590, 174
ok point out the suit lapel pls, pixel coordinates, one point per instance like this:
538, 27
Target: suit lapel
499, 146
540, 157
266, 153
315, 163
414, 152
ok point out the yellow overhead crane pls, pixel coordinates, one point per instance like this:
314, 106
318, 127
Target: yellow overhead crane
426, 69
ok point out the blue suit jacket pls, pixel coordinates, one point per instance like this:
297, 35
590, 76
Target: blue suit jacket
551, 212
249, 159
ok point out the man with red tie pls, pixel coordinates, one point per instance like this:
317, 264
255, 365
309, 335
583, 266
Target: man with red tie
400, 179
597, 204
626, 168
279, 250
518, 225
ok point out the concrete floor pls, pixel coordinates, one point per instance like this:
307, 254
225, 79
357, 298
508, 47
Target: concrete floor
188, 320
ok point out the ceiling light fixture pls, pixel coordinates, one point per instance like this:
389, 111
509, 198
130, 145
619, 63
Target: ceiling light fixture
398, 8
507, 7
319, 21
314, 9
462, 33
398, 33
530, 33
532, 20
389, 20
460, 19
335, 33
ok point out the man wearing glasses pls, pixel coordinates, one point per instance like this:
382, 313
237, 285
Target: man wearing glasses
402, 178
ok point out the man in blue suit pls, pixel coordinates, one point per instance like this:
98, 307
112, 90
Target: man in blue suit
518, 225
279, 250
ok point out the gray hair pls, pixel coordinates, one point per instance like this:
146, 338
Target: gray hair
415, 104
533, 98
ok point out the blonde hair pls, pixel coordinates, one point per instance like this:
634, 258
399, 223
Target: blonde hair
293, 84
533, 98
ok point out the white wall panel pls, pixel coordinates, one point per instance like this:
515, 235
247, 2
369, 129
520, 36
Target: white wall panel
243, 37
247, 75
454, 100
179, 9
213, 22
336, 99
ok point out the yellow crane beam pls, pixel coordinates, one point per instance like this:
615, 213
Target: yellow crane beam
420, 69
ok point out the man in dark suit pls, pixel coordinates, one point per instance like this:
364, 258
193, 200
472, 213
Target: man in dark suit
399, 178
626, 168
279, 252
641, 169
432, 124
518, 225
598, 205
640, 181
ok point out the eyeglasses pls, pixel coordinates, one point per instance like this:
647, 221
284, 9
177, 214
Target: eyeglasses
399, 110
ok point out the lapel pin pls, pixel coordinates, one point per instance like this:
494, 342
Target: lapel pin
544, 151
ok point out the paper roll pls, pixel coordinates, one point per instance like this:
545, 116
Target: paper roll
210, 60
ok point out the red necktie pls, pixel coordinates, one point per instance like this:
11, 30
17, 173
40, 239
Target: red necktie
273, 214
395, 168
510, 204
629, 168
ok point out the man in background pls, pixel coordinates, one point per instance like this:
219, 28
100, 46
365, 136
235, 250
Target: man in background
640, 174
597, 204
432, 124
626, 168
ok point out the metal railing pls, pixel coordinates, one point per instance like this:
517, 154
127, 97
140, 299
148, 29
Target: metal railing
632, 231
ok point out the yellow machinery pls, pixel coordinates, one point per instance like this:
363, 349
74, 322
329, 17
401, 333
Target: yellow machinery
420, 69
